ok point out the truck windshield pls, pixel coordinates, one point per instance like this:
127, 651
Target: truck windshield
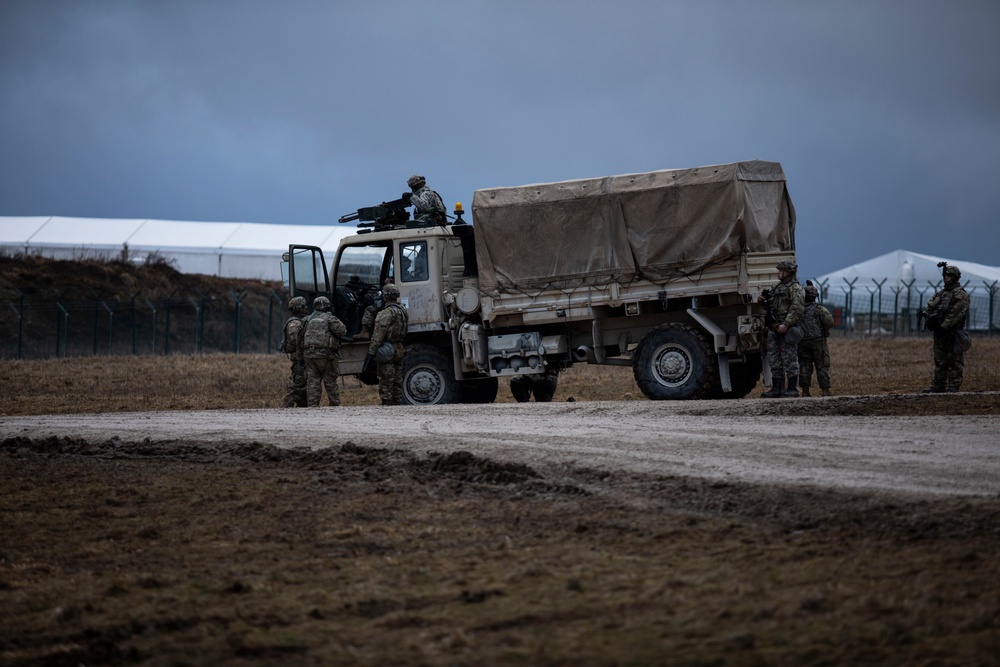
365, 264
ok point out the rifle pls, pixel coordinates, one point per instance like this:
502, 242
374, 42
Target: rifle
384, 216
769, 319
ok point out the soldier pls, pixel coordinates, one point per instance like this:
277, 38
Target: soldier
945, 315
816, 324
427, 204
321, 334
542, 385
390, 325
291, 344
786, 302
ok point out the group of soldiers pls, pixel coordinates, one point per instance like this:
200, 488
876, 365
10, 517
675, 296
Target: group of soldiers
798, 326
312, 343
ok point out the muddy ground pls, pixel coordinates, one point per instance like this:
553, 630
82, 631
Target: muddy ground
225, 547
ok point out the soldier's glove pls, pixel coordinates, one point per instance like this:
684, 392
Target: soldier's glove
367, 362
406, 197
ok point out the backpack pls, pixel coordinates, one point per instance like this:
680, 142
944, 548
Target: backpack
317, 332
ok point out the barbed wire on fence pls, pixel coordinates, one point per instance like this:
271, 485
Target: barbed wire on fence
877, 320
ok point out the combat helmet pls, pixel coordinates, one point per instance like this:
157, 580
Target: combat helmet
321, 303
390, 292
416, 182
788, 265
951, 270
297, 304
811, 292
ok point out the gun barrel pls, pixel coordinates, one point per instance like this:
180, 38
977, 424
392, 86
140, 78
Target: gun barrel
349, 217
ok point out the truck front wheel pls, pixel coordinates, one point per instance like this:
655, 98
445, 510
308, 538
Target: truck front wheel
673, 362
428, 376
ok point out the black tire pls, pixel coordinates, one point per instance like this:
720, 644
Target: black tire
743, 376
674, 362
428, 376
479, 391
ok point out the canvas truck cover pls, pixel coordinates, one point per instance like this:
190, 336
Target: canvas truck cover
660, 225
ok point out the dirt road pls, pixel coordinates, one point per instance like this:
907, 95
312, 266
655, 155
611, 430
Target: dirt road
870, 443
839, 531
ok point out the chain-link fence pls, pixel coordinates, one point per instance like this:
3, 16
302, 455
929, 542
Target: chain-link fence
72, 323
880, 308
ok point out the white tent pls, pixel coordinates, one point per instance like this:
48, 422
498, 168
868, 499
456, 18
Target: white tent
905, 280
227, 249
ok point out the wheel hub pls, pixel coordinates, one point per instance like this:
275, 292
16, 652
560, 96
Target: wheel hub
423, 385
673, 366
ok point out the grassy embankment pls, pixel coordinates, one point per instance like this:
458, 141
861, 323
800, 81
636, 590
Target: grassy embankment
221, 381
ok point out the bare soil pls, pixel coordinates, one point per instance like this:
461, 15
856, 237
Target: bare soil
845, 531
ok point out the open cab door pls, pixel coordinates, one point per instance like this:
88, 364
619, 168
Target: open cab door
303, 270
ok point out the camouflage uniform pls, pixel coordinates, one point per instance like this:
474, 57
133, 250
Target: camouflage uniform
816, 324
787, 301
321, 334
427, 204
291, 344
542, 385
950, 306
390, 325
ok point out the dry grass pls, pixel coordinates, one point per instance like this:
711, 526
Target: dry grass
224, 381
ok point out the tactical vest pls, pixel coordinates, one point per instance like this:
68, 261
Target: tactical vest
811, 325
396, 331
783, 297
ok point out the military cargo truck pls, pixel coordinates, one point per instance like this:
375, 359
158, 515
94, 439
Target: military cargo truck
659, 271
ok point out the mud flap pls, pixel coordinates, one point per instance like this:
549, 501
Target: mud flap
725, 381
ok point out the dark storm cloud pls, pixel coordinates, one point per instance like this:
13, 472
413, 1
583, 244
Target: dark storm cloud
885, 115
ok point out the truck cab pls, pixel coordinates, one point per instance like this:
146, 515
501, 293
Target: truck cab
427, 264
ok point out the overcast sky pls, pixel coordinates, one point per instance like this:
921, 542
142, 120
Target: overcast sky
884, 114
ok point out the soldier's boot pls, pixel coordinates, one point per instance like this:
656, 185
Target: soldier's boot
826, 392
805, 392
777, 388
933, 389
952, 388
793, 390
364, 334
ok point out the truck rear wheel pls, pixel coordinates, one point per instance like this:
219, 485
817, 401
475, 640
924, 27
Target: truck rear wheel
674, 362
428, 376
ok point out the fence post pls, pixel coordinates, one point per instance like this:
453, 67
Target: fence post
132, 324
197, 321
821, 286
849, 304
879, 285
270, 318
992, 287
19, 312
238, 298
97, 314
909, 308
920, 306
896, 289
152, 347
968, 313
166, 337
62, 318
111, 325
